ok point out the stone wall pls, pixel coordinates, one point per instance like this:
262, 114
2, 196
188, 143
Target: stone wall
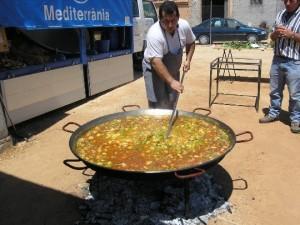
254, 12
195, 12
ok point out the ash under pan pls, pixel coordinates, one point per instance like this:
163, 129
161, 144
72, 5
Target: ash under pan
114, 201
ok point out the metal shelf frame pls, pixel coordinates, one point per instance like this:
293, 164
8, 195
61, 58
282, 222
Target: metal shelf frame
228, 64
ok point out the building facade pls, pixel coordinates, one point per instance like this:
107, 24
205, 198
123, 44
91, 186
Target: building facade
250, 12
254, 12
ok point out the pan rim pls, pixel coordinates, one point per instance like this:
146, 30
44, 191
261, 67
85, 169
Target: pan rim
152, 112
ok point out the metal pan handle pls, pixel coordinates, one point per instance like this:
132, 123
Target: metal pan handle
129, 106
245, 140
243, 182
190, 175
70, 123
204, 109
67, 163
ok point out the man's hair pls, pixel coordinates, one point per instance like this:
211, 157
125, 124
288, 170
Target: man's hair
168, 7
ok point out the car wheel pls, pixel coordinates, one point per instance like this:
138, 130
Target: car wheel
203, 40
252, 38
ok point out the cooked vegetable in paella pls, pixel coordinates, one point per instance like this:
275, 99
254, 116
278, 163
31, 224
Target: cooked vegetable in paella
138, 143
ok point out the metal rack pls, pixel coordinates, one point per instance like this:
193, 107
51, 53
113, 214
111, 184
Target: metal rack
228, 64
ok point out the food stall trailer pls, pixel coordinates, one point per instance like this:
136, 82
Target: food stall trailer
75, 49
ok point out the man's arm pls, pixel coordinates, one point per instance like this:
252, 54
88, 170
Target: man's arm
296, 37
274, 35
163, 72
190, 48
292, 35
285, 32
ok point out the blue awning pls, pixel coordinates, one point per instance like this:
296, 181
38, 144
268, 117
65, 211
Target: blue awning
41, 14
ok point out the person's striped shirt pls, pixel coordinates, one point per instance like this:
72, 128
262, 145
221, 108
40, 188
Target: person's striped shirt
287, 47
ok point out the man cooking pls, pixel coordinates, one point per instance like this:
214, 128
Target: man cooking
163, 56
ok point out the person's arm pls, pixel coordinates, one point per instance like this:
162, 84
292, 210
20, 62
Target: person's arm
296, 37
285, 32
190, 48
274, 35
163, 72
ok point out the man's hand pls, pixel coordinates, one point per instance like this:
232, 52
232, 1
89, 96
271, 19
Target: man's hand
163, 72
277, 32
186, 66
284, 32
177, 86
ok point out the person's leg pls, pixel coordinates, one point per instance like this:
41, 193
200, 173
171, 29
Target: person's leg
152, 105
277, 82
159, 105
276, 92
293, 81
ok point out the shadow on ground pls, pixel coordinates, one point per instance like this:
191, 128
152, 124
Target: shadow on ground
26, 203
284, 116
243, 79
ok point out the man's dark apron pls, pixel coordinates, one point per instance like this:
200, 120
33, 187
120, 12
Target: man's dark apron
159, 93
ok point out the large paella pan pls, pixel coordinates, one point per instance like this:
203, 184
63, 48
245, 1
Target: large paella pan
134, 142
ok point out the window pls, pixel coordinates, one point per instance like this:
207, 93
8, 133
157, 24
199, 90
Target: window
217, 23
149, 10
135, 8
256, 2
232, 23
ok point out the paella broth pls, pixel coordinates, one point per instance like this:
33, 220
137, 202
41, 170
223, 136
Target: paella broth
138, 143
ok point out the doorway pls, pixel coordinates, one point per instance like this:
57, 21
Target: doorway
218, 9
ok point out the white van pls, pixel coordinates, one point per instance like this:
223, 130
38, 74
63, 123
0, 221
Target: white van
144, 15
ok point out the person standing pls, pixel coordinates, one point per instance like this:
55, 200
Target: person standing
285, 68
163, 56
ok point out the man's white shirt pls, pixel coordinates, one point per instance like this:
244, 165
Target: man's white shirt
156, 40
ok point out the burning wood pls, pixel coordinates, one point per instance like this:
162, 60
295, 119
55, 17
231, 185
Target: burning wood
112, 201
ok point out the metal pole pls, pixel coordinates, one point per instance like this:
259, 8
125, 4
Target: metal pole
210, 17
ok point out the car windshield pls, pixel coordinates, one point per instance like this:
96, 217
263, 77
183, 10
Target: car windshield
149, 10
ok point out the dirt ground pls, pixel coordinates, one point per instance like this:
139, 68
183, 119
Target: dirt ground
260, 178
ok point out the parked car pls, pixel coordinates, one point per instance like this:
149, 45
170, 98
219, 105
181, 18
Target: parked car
225, 29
